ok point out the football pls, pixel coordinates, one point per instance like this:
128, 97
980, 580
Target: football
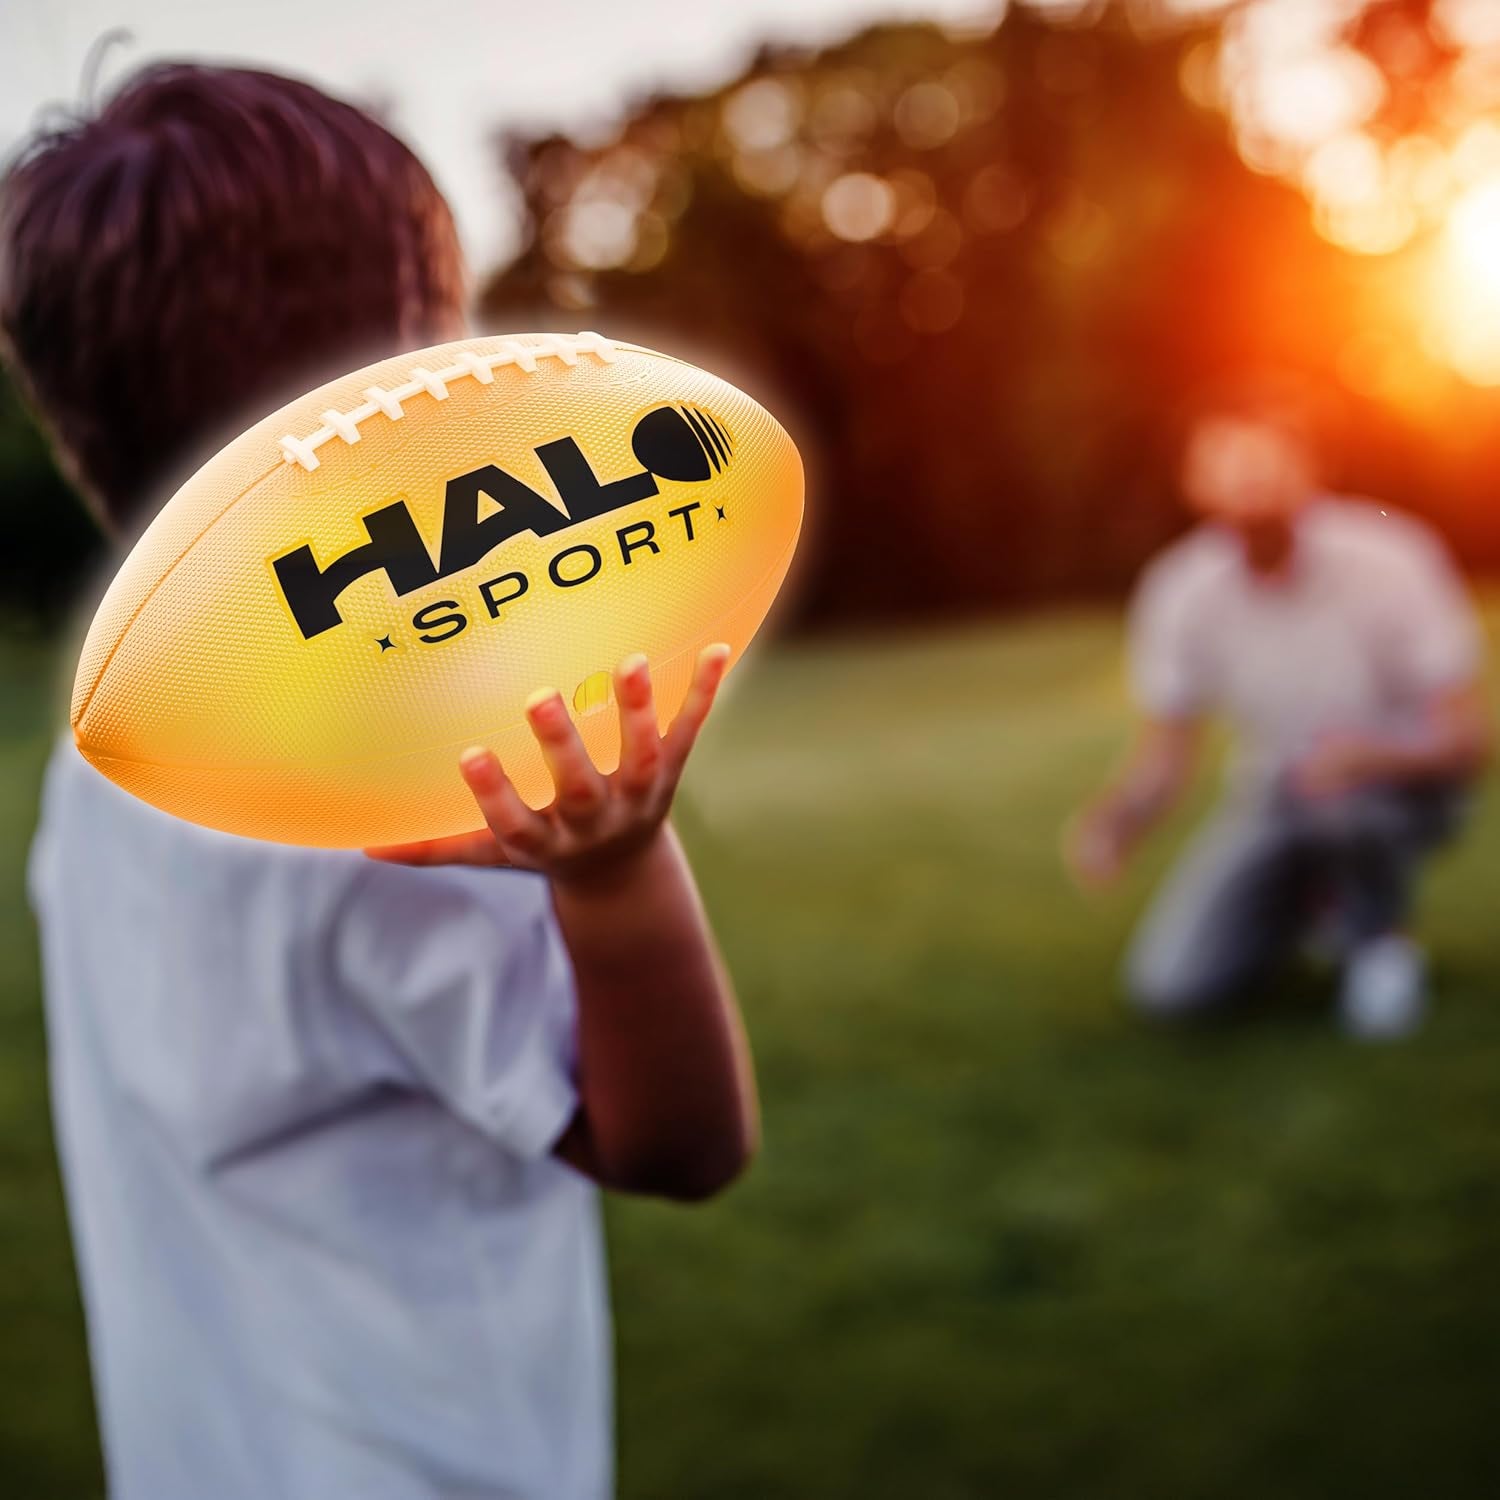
383, 572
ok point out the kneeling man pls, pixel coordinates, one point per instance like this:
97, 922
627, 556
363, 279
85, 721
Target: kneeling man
1334, 638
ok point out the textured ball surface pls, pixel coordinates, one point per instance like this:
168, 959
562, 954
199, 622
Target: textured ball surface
382, 573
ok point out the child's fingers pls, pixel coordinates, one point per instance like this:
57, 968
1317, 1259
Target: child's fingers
402, 854
510, 821
640, 740
713, 662
477, 848
580, 787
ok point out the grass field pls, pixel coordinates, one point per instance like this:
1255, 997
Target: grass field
1001, 1241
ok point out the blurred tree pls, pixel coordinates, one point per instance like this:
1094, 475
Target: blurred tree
976, 276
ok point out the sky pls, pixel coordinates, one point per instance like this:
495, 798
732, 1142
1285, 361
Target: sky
450, 71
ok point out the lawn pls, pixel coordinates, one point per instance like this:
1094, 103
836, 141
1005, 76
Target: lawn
1001, 1240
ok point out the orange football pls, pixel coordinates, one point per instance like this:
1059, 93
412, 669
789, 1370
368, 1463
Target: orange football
383, 572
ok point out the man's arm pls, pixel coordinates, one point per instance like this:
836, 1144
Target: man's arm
1157, 770
1450, 742
666, 1091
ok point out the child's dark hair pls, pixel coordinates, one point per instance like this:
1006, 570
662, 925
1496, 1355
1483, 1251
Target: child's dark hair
213, 241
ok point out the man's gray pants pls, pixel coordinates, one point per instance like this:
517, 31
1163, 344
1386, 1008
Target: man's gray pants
1270, 867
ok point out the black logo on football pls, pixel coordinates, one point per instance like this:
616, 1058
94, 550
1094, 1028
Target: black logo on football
680, 443
684, 444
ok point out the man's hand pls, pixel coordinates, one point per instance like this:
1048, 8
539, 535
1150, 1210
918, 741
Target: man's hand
1335, 766
596, 824
1450, 741
1094, 849
1098, 842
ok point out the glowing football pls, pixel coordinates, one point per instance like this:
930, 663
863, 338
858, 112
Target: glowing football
383, 572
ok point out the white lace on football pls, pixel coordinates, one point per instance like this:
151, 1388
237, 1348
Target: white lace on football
434, 383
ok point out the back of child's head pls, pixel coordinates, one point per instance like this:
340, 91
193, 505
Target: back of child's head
212, 242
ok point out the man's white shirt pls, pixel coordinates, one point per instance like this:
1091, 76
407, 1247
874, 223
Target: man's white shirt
1368, 624
305, 1107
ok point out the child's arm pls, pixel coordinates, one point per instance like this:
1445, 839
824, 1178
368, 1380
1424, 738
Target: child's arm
667, 1096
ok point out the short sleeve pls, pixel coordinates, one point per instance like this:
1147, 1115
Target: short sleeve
465, 972
1164, 645
1431, 639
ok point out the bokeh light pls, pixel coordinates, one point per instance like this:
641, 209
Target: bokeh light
927, 115
858, 206
1467, 23
597, 233
1386, 118
762, 115
1464, 327
996, 200
1387, 122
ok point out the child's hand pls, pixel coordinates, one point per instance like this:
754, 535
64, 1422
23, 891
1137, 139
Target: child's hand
596, 823
666, 1095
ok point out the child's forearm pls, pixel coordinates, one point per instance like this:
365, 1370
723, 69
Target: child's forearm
667, 1093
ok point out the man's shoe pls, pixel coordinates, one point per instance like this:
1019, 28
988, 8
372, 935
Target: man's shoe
1384, 993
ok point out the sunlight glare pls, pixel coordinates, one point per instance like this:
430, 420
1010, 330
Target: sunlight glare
1474, 232
1465, 323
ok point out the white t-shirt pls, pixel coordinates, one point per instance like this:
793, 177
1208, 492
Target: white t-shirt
305, 1104
1369, 623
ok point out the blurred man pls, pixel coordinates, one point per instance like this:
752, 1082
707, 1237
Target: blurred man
1335, 640
330, 1126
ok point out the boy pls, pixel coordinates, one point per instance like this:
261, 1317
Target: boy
330, 1126
1334, 637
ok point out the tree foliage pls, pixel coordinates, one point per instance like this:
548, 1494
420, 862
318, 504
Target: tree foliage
978, 277
1064, 248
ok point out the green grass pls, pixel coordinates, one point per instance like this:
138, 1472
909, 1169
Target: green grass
1001, 1240
47, 1442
